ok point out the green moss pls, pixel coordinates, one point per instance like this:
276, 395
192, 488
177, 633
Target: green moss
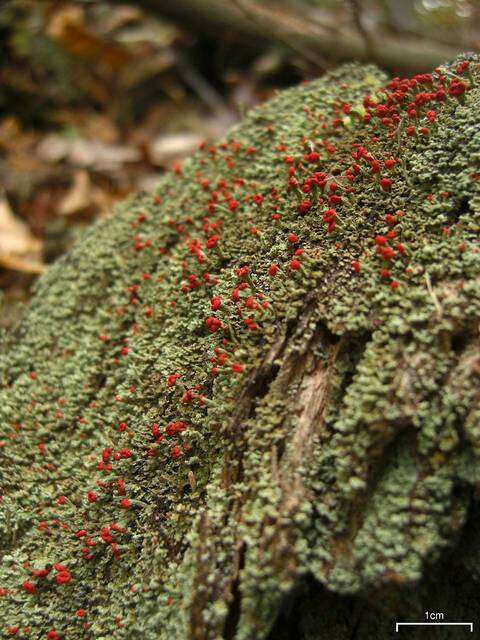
345, 445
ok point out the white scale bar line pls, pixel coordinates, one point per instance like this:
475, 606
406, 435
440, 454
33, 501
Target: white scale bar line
425, 624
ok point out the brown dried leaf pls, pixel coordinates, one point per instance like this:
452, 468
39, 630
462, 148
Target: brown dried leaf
67, 26
19, 249
173, 146
82, 195
79, 196
86, 153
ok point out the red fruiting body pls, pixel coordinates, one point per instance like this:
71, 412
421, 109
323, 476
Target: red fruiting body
213, 324
63, 577
40, 573
211, 242
175, 427
172, 379
457, 88
388, 253
304, 207
215, 303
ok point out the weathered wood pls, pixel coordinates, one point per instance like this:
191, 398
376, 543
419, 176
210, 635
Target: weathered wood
260, 23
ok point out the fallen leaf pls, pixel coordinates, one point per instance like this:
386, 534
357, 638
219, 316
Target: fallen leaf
120, 16
94, 154
19, 249
82, 196
79, 197
53, 147
68, 27
64, 18
173, 146
91, 154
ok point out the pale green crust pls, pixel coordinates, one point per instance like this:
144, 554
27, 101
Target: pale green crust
347, 449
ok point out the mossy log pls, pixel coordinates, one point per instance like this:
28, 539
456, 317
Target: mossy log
246, 407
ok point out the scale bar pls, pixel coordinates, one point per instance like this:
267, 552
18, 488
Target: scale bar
435, 624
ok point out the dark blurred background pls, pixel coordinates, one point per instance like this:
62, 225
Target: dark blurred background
99, 98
